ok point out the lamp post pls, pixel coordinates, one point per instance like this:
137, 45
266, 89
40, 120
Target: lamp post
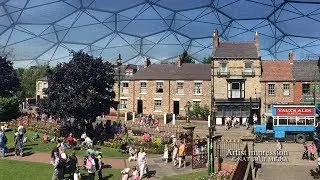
187, 109
119, 63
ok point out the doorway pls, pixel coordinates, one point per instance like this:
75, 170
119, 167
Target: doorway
176, 107
140, 107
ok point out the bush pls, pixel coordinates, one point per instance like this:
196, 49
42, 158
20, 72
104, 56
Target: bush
199, 112
9, 108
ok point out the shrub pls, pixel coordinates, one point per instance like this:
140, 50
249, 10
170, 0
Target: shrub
9, 108
199, 112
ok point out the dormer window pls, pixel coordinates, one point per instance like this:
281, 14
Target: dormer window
129, 73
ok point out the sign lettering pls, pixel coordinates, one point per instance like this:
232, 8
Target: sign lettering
308, 111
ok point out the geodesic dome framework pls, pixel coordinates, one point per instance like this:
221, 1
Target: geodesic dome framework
44, 31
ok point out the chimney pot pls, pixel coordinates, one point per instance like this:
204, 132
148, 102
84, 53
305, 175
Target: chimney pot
291, 57
146, 62
215, 38
179, 61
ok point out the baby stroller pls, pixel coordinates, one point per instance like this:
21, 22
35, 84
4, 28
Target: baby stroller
18, 144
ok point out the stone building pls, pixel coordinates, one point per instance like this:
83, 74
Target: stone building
166, 88
236, 74
277, 85
41, 85
307, 82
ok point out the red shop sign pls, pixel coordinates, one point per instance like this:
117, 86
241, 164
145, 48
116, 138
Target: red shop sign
307, 111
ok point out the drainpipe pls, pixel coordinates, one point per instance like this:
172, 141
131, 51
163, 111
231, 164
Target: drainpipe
133, 96
169, 96
265, 101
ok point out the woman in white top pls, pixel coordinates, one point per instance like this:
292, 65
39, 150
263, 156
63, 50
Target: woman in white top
142, 162
166, 153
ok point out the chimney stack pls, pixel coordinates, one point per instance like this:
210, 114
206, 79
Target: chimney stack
291, 57
215, 38
256, 39
179, 61
146, 62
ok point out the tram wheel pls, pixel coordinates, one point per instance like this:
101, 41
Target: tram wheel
300, 138
258, 138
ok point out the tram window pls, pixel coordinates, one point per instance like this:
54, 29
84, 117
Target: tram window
301, 121
282, 121
309, 121
292, 121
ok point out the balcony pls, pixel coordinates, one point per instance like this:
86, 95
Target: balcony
223, 73
248, 73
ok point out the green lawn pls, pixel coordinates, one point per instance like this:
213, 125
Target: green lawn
38, 146
191, 176
19, 170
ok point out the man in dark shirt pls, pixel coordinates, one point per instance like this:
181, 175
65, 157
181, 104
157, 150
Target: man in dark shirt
55, 149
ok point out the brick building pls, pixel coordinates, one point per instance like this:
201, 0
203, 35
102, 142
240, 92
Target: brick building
277, 85
237, 72
166, 88
307, 82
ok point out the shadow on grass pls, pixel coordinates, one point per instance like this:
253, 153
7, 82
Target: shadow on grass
27, 145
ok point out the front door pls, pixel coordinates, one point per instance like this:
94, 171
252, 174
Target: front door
140, 106
176, 107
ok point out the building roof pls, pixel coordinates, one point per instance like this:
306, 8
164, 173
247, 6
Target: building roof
276, 70
236, 50
173, 72
306, 70
123, 69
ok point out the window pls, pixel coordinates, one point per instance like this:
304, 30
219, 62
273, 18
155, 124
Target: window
309, 120
157, 105
129, 73
180, 88
248, 68
236, 90
45, 85
301, 121
269, 106
159, 87
123, 103
282, 121
125, 87
143, 87
271, 89
198, 88
292, 121
223, 69
286, 89
305, 88
39, 86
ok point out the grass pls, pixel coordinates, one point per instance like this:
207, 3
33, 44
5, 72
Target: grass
19, 170
190, 176
38, 146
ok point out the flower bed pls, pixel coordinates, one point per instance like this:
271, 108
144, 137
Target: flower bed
156, 146
38, 126
221, 175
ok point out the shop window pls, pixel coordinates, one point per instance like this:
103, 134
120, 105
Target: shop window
286, 89
271, 89
282, 121
157, 105
305, 88
159, 87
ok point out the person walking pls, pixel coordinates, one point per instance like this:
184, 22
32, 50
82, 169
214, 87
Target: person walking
142, 162
181, 153
91, 166
3, 143
305, 154
279, 150
312, 150
58, 167
166, 153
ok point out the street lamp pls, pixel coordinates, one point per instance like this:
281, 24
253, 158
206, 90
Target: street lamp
187, 109
119, 63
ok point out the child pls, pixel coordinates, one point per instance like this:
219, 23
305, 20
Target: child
305, 152
135, 173
312, 150
100, 166
166, 153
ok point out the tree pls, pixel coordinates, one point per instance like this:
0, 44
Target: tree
80, 89
10, 84
207, 60
28, 78
9, 81
186, 58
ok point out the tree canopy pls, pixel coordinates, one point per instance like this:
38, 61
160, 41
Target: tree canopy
207, 60
9, 81
28, 78
81, 89
186, 58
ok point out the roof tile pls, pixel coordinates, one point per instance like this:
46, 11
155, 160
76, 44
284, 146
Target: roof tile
236, 50
276, 70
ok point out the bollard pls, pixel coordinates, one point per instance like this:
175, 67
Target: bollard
133, 116
125, 117
165, 118
173, 119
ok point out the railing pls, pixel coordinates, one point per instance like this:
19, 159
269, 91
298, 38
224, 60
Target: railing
242, 165
247, 73
223, 73
225, 146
